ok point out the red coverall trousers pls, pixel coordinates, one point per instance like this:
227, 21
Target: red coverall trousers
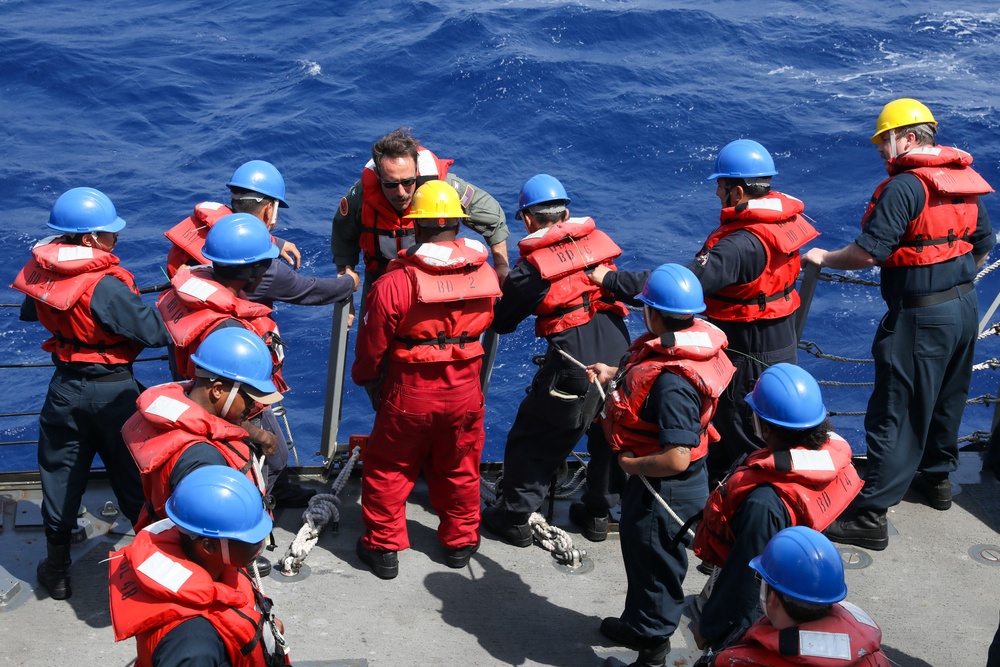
434, 428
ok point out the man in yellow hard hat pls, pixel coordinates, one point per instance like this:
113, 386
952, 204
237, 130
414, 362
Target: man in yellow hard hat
927, 228
419, 357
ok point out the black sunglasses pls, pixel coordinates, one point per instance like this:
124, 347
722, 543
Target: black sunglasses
406, 182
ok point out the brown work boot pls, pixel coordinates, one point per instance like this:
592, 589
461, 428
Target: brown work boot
935, 487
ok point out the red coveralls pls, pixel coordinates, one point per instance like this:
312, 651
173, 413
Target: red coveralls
429, 410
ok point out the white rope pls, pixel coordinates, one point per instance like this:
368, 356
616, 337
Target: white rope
665, 506
580, 364
555, 540
279, 639
323, 508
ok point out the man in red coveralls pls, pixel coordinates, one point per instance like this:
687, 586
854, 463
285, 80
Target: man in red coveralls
419, 357
182, 588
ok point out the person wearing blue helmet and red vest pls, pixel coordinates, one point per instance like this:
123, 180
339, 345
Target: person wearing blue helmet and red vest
747, 268
927, 229
204, 299
182, 426
549, 281
806, 620
182, 587
803, 477
257, 188
658, 414
371, 219
419, 356
78, 290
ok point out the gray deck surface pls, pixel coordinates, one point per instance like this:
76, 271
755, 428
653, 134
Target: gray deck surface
937, 605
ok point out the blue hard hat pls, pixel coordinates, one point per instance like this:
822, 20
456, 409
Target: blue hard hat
239, 355
673, 288
788, 396
803, 564
219, 502
743, 158
83, 210
239, 238
538, 189
260, 176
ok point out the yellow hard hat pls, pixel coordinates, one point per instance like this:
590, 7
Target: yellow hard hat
435, 200
901, 113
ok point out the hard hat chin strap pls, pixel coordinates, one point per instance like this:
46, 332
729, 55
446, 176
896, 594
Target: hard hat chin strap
892, 143
224, 548
232, 397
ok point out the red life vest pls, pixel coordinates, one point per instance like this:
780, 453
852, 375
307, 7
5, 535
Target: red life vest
384, 230
814, 485
951, 189
154, 587
846, 637
776, 220
61, 278
188, 235
166, 424
561, 253
695, 354
454, 291
196, 304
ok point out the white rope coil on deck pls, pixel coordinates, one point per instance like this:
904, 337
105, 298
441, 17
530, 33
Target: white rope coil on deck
323, 508
556, 540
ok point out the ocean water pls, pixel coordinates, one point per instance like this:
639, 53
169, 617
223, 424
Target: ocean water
626, 102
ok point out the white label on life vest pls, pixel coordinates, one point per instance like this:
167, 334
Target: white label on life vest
198, 288
807, 459
168, 573
767, 204
436, 255
169, 408
692, 339
833, 645
859, 614
73, 253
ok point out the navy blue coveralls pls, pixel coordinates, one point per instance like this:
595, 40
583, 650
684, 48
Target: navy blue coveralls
561, 405
85, 408
923, 354
736, 259
655, 567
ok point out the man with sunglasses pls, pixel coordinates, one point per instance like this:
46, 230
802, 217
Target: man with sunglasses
183, 426
803, 477
371, 218
76, 288
927, 229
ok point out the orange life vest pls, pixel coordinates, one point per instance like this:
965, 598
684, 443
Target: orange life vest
61, 278
166, 424
384, 230
814, 485
454, 291
188, 235
846, 637
695, 354
951, 190
196, 304
154, 587
561, 253
776, 220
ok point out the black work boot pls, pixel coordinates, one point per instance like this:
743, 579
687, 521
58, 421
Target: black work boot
653, 657
385, 564
593, 527
936, 487
53, 572
869, 529
512, 529
620, 633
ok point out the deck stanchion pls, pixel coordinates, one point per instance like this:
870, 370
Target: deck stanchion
808, 289
335, 370
491, 340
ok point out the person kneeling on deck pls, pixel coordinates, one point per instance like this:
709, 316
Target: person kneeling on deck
806, 621
581, 320
182, 588
181, 427
99, 325
205, 299
803, 477
419, 357
658, 411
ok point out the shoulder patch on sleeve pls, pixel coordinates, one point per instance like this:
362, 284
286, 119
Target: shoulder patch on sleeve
467, 196
343, 206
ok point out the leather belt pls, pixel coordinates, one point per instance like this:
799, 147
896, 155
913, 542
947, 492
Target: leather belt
926, 300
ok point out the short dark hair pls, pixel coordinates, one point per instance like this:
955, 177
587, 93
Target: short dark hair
754, 187
248, 201
925, 133
398, 143
810, 438
801, 611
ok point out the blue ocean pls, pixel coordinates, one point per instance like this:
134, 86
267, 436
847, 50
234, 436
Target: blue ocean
627, 102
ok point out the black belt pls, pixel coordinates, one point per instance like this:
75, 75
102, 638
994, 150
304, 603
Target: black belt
926, 300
